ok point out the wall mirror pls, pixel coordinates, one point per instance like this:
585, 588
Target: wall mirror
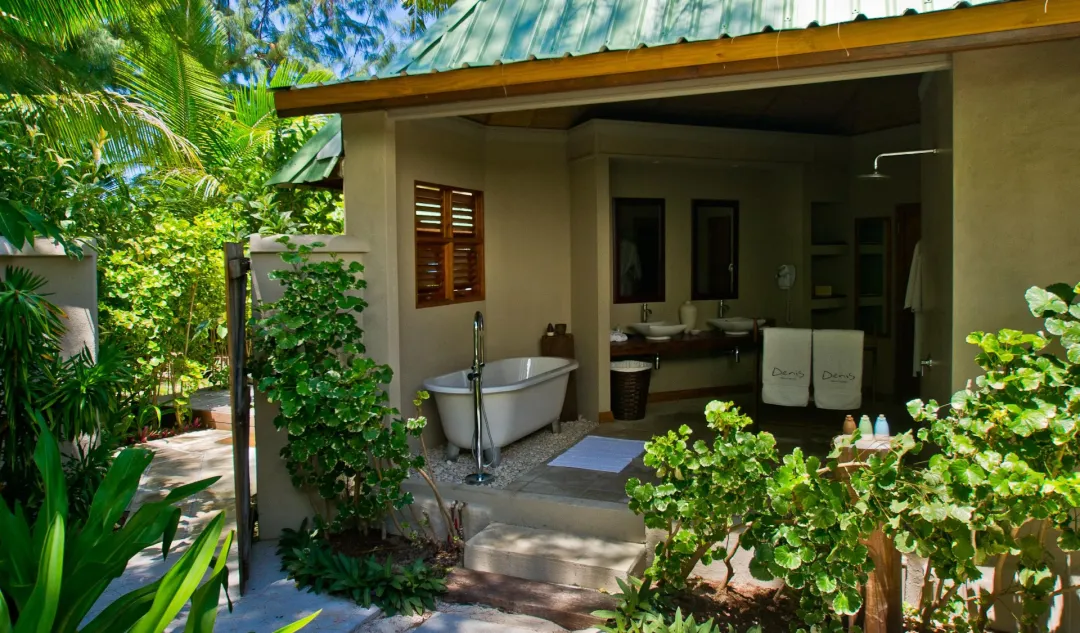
638, 267
714, 250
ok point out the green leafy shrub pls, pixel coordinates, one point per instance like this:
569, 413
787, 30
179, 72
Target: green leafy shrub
1002, 482
808, 533
310, 560
343, 443
54, 569
159, 234
801, 523
703, 490
639, 608
78, 397
163, 296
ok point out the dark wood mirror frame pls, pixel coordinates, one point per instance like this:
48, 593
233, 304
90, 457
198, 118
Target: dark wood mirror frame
651, 261
697, 209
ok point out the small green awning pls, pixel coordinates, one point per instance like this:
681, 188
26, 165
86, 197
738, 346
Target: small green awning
317, 163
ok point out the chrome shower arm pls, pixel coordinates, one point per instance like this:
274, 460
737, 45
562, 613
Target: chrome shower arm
909, 153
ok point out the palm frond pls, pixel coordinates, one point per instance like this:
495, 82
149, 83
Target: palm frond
187, 96
137, 134
60, 20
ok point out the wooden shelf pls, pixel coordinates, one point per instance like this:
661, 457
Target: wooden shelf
828, 250
828, 303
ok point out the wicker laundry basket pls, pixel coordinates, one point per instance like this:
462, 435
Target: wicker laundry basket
629, 389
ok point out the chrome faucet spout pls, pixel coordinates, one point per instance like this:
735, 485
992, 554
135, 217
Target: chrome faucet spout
645, 312
478, 342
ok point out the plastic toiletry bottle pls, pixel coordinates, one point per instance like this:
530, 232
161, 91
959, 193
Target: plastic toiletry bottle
881, 426
849, 425
865, 427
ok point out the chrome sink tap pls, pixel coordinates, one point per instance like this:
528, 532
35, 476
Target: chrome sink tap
722, 308
645, 312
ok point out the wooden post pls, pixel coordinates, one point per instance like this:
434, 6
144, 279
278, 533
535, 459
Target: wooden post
883, 608
236, 278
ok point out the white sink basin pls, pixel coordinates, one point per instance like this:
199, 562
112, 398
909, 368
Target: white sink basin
735, 324
658, 328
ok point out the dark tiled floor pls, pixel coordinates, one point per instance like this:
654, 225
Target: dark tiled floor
809, 428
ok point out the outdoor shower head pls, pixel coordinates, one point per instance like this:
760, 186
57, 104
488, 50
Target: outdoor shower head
877, 175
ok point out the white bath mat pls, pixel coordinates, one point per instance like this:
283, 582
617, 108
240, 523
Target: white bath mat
607, 454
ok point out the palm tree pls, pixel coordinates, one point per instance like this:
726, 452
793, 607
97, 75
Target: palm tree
58, 59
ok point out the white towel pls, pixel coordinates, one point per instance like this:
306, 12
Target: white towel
785, 367
618, 337
838, 363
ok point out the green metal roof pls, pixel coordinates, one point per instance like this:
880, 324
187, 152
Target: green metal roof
475, 33
315, 163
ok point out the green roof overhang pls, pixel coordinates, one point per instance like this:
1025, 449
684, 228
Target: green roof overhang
317, 163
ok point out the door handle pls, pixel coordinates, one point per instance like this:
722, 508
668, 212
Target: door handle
927, 364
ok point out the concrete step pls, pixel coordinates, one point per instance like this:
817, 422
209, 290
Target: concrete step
554, 557
483, 506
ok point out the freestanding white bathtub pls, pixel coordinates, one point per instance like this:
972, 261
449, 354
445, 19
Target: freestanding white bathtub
520, 395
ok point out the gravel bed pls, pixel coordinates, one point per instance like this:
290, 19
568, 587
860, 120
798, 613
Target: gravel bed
517, 458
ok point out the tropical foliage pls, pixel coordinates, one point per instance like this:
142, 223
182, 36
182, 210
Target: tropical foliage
78, 398
699, 512
639, 608
53, 569
134, 126
1001, 489
990, 480
332, 397
311, 561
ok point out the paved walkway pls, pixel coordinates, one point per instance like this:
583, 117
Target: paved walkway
272, 600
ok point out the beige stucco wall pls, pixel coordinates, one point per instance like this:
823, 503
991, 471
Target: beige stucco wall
1016, 118
590, 261
70, 283
525, 181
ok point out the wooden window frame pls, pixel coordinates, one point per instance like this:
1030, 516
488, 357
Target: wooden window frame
448, 241
695, 211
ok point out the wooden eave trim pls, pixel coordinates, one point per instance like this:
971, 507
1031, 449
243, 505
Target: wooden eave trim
1016, 22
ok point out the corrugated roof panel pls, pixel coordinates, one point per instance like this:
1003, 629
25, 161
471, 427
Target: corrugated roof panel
525, 29
486, 32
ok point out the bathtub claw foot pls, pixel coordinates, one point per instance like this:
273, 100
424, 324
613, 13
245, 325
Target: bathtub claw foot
492, 456
452, 452
556, 427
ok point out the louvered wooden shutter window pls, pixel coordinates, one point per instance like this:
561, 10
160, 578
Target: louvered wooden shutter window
449, 226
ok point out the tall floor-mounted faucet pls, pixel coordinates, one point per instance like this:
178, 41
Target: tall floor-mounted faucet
476, 378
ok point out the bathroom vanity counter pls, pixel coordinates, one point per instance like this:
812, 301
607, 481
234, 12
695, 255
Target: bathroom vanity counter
705, 343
